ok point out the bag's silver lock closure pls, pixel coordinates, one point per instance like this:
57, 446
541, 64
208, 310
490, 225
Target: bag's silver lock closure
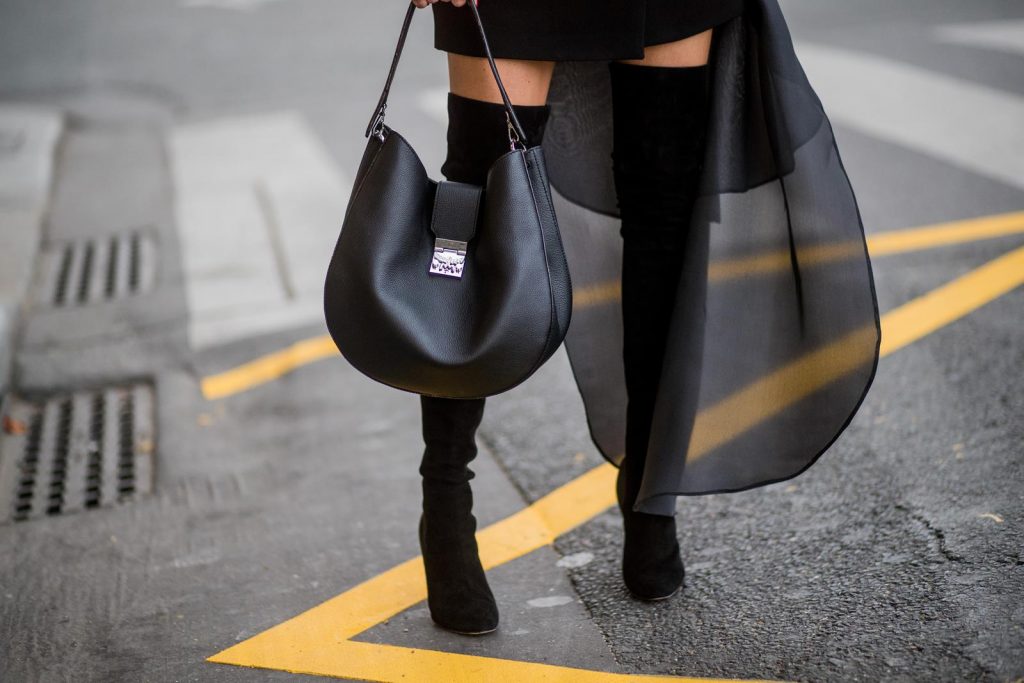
453, 224
449, 257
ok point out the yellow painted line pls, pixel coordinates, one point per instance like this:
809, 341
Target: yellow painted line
318, 641
593, 295
779, 261
952, 301
275, 365
402, 586
770, 395
268, 368
881, 244
731, 417
387, 663
945, 234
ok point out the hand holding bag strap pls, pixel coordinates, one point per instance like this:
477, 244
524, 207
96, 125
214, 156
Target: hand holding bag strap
382, 104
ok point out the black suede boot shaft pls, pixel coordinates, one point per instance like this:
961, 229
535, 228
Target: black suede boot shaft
660, 124
457, 592
478, 135
660, 119
458, 595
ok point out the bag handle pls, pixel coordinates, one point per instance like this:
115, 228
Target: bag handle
376, 126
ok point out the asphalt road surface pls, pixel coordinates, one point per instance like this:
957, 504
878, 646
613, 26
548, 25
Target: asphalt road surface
227, 474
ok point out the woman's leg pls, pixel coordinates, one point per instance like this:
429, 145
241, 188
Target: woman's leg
660, 116
477, 128
457, 592
525, 81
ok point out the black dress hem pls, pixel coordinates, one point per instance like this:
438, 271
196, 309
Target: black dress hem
511, 37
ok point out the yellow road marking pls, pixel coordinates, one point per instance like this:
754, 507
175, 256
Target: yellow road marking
268, 368
402, 586
318, 640
593, 295
779, 261
770, 395
943, 305
734, 415
945, 234
881, 244
275, 365
373, 662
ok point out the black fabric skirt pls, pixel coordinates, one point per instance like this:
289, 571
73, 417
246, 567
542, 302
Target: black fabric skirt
570, 30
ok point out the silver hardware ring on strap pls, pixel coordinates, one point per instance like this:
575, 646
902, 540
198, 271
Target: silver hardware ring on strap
376, 126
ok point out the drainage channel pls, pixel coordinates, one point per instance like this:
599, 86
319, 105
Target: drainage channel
97, 269
68, 452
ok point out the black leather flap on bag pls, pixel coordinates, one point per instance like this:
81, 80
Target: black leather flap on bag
456, 206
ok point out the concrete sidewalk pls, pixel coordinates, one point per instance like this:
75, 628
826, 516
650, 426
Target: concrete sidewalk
28, 142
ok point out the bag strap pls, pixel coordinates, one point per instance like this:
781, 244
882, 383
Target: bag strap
515, 130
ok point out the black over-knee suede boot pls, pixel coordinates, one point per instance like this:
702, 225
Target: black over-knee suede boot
457, 591
660, 118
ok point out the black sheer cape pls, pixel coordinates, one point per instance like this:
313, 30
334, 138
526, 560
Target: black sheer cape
774, 339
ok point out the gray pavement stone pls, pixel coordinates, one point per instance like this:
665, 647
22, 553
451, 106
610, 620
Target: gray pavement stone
891, 100
258, 201
113, 178
28, 137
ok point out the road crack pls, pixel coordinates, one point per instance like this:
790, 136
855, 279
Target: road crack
935, 532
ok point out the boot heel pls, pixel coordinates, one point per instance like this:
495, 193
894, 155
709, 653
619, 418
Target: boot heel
458, 596
652, 568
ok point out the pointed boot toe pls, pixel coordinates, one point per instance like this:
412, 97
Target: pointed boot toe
467, 617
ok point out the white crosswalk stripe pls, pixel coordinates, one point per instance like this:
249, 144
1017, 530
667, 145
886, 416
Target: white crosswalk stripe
259, 205
974, 126
1005, 35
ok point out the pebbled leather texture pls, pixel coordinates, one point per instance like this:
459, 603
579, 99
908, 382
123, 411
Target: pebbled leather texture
435, 335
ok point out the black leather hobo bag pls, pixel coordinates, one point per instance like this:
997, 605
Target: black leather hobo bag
444, 288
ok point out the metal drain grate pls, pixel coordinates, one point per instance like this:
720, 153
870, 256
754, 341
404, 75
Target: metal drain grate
66, 453
77, 273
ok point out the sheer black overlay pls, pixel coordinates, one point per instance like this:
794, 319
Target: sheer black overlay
774, 339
